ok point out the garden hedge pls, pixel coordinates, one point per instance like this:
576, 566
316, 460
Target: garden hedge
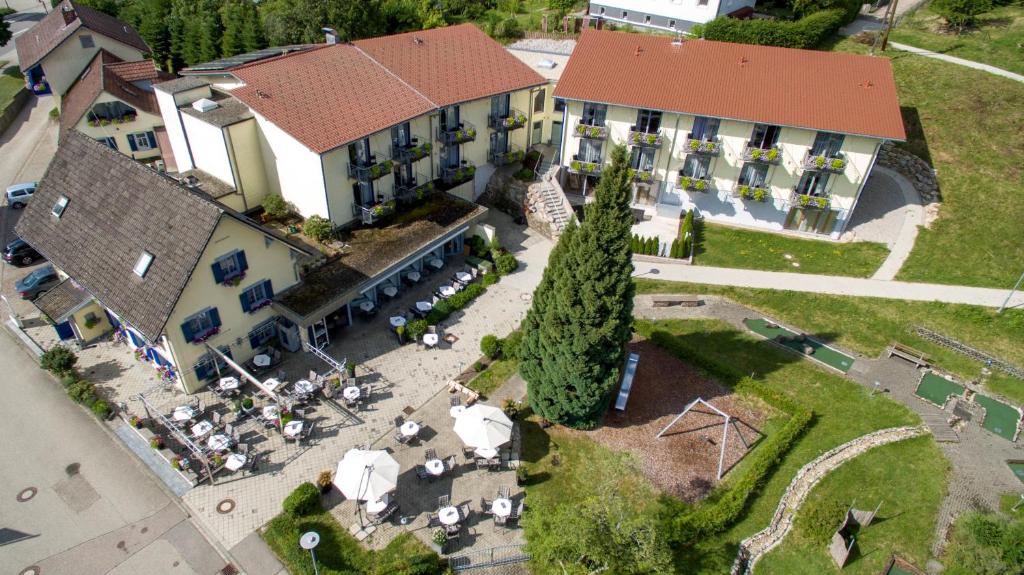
304, 500
807, 32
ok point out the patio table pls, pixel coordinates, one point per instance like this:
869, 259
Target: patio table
304, 386
424, 306
184, 413
351, 393
270, 412
272, 383
413, 276
390, 291
228, 383
366, 306
293, 429
218, 442
430, 339
436, 263
486, 452
447, 291
377, 505
435, 467
463, 277
261, 360
457, 410
448, 515
235, 461
502, 507
202, 428
410, 428
397, 321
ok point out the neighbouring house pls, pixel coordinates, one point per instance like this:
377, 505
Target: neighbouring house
176, 270
53, 53
113, 102
548, 58
756, 136
668, 15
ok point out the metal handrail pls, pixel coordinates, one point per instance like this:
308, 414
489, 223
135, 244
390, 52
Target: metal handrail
464, 132
597, 131
458, 174
371, 170
411, 189
645, 138
513, 119
505, 157
410, 153
711, 146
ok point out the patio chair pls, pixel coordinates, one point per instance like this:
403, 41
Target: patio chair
253, 462
388, 511
328, 391
449, 463
399, 421
455, 400
401, 438
499, 520
432, 520
299, 412
218, 421
242, 449
451, 532
430, 454
485, 506
421, 472
314, 376
504, 492
307, 430
469, 453
367, 391
443, 501
517, 513
228, 428
481, 463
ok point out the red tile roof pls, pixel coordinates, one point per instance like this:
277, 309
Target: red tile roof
42, 38
328, 96
828, 91
107, 73
451, 65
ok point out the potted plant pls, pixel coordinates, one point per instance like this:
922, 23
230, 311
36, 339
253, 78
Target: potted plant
575, 165
157, 442
400, 332
325, 481
837, 163
247, 404
819, 161
176, 463
437, 540
136, 422
522, 474
286, 417
821, 202
694, 145
685, 181
350, 369
804, 200
700, 185
652, 139
216, 461
755, 154
773, 154
760, 194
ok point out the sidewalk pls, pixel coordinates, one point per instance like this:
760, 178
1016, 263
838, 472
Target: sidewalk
835, 285
959, 61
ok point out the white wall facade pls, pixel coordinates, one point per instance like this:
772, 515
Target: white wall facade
209, 149
299, 169
672, 15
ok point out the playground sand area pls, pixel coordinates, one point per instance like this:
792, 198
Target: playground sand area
684, 461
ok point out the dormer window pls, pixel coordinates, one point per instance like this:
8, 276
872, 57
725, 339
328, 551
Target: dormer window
87, 41
142, 266
58, 208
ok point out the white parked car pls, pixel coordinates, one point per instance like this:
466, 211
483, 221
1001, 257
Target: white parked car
19, 194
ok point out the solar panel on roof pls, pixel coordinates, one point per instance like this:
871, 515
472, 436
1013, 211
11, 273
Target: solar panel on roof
247, 58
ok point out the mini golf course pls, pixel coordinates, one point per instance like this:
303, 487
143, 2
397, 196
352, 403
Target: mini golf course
1000, 419
790, 340
1017, 467
937, 389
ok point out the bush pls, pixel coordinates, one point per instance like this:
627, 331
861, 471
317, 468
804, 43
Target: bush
275, 206
415, 329
524, 174
960, 13
58, 360
490, 346
318, 228
477, 246
508, 29
819, 520
808, 32
490, 279
478, 366
505, 263
304, 500
68, 379
82, 392
101, 408
510, 345
54, 114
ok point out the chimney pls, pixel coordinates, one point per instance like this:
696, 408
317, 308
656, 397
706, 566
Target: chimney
69, 14
330, 35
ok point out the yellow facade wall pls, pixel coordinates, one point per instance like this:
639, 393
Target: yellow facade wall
65, 63
101, 327
243, 143
144, 122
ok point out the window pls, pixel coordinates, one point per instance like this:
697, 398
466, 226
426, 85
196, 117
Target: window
672, 24
702, 2
199, 326
602, 10
697, 167
754, 174
625, 14
142, 266
142, 141
704, 128
263, 333
813, 184
110, 142
256, 296
538, 101
647, 19
205, 369
593, 114
765, 136
590, 150
229, 267
827, 144
642, 159
559, 105
58, 208
86, 41
648, 121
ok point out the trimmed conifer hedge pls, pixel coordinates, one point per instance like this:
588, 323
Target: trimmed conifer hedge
807, 32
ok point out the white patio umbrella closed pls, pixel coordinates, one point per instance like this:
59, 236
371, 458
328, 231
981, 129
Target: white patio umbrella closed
484, 426
366, 475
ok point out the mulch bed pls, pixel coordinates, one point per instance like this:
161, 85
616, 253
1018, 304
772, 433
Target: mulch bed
684, 461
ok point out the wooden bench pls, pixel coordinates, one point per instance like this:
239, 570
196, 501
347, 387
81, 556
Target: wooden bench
679, 300
918, 358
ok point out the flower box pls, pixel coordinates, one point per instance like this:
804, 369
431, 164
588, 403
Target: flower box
205, 335
648, 139
641, 176
259, 305
233, 281
582, 167
767, 155
692, 184
807, 201
825, 163
753, 193
696, 146
592, 132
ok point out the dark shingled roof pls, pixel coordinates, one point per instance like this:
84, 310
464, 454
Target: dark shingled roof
182, 84
42, 38
229, 111
62, 300
117, 208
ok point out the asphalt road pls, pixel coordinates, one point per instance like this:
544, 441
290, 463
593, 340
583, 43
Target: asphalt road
29, 12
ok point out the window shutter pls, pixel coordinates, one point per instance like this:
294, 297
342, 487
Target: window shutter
268, 290
202, 369
254, 340
218, 272
214, 317
186, 330
244, 298
152, 140
131, 142
242, 264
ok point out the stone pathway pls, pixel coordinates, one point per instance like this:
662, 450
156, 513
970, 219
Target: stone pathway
755, 546
913, 216
959, 61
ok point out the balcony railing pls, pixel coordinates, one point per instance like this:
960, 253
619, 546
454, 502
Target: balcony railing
710, 146
824, 163
511, 120
585, 167
645, 137
752, 193
410, 153
414, 189
641, 176
592, 131
464, 132
505, 157
372, 214
772, 155
692, 184
371, 170
458, 174
801, 200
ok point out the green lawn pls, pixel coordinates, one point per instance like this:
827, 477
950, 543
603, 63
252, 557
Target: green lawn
908, 478
735, 248
967, 124
496, 374
10, 82
868, 325
995, 40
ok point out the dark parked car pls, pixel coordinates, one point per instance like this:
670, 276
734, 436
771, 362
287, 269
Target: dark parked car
37, 283
19, 253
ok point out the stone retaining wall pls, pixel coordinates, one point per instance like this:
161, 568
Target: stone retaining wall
920, 174
9, 113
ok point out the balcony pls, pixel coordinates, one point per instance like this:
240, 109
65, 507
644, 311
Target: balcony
592, 131
801, 200
457, 175
692, 184
644, 138
371, 170
584, 167
511, 120
641, 176
752, 193
372, 214
505, 157
772, 155
465, 132
825, 163
413, 190
410, 153
709, 146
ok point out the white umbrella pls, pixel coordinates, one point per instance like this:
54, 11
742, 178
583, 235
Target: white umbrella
484, 426
366, 475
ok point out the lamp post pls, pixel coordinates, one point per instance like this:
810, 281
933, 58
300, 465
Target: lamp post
1012, 291
309, 541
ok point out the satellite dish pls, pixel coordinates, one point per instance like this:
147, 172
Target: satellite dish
309, 540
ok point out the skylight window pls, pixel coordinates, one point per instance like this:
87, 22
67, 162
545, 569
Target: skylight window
58, 208
142, 266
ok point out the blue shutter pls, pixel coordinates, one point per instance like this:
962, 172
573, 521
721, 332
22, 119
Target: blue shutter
131, 142
254, 341
202, 369
244, 298
218, 272
214, 317
268, 291
152, 139
242, 264
186, 329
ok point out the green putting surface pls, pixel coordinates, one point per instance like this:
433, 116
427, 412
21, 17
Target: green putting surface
937, 389
1000, 419
822, 352
1017, 467
894, 570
